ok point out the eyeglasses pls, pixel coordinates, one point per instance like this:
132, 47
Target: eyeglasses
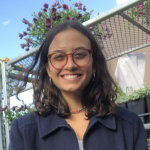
80, 57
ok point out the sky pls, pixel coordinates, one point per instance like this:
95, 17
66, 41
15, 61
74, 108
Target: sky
13, 11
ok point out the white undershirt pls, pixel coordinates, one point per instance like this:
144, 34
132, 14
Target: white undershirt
80, 145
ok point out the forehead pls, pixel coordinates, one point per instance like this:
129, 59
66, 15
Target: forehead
68, 40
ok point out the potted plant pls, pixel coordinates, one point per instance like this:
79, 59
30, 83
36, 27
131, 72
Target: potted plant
48, 17
136, 102
16, 112
121, 97
140, 14
147, 97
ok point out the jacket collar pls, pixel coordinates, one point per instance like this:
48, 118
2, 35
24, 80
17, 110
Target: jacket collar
52, 122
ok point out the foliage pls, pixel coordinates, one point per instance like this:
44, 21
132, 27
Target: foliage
140, 13
16, 112
101, 32
47, 18
136, 94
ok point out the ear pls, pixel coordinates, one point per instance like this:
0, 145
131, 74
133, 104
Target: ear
48, 70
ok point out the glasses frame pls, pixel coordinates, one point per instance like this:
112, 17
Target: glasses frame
50, 55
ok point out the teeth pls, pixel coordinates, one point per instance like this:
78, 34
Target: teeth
70, 76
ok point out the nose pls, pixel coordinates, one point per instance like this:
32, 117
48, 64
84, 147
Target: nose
70, 63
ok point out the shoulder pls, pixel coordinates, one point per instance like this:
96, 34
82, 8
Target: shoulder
127, 115
28, 119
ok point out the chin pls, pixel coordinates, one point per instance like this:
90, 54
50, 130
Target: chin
72, 89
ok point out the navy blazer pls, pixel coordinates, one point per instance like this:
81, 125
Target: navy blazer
123, 131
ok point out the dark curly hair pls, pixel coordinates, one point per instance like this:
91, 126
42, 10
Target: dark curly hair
98, 96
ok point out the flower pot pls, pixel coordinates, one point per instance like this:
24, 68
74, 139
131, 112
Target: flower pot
148, 105
137, 106
123, 105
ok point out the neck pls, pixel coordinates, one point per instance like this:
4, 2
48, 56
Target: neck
73, 100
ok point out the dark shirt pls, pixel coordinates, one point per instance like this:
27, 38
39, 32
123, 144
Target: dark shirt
123, 131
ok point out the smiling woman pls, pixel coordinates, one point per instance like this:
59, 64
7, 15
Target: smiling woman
74, 98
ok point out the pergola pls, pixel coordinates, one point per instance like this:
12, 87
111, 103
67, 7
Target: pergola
130, 32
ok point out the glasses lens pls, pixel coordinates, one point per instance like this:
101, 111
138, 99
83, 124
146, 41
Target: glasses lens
58, 60
81, 57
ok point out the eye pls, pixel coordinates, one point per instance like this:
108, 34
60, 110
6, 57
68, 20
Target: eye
58, 56
80, 54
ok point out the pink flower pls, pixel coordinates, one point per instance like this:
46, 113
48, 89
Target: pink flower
141, 12
65, 7
27, 44
45, 5
79, 4
3, 109
91, 28
19, 109
93, 33
21, 36
100, 32
68, 18
101, 45
108, 35
48, 26
24, 33
54, 4
57, 3
35, 20
99, 36
84, 9
29, 40
24, 21
22, 46
29, 24
78, 15
56, 16
40, 14
80, 7
53, 10
45, 10
28, 28
107, 29
48, 21
140, 6
27, 49
76, 4
13, 108
104, 37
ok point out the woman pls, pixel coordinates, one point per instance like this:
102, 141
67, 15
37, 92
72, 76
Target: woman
74, 98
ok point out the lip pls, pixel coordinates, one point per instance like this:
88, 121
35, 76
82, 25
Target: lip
71, 79
70, 74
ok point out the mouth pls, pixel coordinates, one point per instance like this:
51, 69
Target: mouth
71, 77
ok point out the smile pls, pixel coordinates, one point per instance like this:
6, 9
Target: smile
71, 77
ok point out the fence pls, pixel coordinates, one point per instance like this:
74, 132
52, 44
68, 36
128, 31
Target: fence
130, 32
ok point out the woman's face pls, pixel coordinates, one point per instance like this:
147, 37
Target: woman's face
71, 78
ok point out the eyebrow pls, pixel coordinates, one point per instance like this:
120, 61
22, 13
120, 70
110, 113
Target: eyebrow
80, 47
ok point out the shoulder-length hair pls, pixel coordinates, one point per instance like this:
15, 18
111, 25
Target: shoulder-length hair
98, 96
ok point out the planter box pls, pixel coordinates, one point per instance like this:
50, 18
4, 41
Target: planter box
123, 105
148, 105
137, 106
